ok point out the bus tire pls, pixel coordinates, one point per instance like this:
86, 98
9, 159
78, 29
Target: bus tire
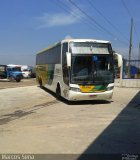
40, 82
58, 92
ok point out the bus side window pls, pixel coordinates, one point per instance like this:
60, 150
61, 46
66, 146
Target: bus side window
64, 64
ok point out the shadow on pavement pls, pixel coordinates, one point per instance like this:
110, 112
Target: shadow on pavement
121, 139
4, 119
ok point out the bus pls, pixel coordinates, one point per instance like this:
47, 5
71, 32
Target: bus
77, 69
26, 71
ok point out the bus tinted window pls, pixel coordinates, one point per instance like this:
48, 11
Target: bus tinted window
51, 56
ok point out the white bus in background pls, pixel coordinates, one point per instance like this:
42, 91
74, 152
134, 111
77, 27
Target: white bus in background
77, 69
26, 71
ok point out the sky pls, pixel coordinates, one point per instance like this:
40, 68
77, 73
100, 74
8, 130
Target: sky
28, 26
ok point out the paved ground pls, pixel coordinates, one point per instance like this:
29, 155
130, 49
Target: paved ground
33, 121
14, 84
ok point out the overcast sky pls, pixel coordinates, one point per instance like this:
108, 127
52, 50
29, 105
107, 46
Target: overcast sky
28, 26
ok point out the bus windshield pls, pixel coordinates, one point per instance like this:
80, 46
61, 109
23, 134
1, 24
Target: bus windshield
89, 68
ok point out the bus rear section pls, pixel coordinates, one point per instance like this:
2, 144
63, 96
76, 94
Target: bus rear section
48, 67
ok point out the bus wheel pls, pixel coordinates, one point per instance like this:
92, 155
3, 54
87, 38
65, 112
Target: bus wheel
58, 92
40, 82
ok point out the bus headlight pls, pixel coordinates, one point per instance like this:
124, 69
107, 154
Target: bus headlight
110, 88
75, 89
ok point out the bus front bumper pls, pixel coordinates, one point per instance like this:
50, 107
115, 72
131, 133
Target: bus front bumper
78, 96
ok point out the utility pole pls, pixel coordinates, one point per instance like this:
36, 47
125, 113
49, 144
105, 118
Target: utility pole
139, 57
130, 48
139, 53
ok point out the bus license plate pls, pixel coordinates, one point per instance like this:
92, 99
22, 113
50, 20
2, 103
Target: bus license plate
92, 96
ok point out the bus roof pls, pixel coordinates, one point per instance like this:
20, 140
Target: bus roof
49, 47
73, 40
84, 40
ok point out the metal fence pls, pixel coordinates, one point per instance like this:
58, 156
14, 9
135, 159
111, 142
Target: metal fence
131, 69
129, 74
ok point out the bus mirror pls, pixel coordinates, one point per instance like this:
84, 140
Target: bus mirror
118, 58
68, 56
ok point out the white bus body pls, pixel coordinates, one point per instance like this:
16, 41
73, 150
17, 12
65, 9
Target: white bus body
77, 69
26, 71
